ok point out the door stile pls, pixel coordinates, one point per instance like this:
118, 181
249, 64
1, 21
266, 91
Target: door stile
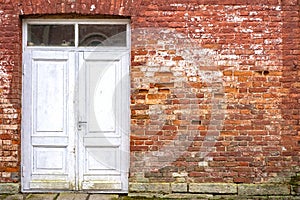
26, 116
71, 91
125, 118
81, 117
76, 120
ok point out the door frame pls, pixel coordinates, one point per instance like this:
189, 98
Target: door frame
76, 48
75, 22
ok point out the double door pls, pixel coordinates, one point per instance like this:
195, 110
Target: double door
75, 121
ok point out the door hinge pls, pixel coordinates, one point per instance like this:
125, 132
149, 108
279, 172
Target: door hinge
23, 73
23, 171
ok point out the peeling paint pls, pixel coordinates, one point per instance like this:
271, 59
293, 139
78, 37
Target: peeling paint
93, 7
273, 41
247, 30
4, 77
167, 13
252, 13
233, 18
177, 5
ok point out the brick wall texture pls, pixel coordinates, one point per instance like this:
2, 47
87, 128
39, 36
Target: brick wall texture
215, 86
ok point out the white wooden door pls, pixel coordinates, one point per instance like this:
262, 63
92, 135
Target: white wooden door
48, 121
75, 121
103, 120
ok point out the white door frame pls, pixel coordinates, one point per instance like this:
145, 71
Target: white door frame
27, 96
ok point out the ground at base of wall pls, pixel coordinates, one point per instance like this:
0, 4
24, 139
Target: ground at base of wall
148, 196
151, 191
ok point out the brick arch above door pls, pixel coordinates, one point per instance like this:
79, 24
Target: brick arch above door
83, 7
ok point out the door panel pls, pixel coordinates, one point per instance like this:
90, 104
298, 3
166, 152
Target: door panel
49, 135
49, 96
102, 77
101, 82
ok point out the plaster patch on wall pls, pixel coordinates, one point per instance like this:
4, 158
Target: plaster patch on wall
4, 77
185, 61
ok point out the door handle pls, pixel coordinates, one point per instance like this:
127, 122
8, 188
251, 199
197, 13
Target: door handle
80, 124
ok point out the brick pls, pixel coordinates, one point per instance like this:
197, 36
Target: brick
164, 85
242, 73
213, 188
156, 96
170, 74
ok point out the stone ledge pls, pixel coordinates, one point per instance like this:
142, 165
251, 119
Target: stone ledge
201, 188
188, 196
263, 189
42, 196
9, 188
179, 187
150, 187
213, 188
170, 196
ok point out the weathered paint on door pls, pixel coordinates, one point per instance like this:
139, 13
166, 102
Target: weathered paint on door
103, 122
48, 120
75, 121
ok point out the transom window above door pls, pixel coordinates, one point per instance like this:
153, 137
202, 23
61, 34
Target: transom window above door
77, 34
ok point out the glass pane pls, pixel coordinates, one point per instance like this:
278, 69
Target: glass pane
51, 35
102, 35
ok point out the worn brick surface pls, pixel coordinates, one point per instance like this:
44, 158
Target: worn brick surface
214, 87
218, 99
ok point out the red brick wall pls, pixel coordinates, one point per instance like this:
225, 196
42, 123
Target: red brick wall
251, 108
215, 92
10, 92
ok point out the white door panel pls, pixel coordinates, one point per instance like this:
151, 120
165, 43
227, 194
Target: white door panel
48, 133
101, 82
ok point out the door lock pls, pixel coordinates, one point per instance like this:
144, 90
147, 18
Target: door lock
80, 124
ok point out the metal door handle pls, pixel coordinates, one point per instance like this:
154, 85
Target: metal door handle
80, 123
